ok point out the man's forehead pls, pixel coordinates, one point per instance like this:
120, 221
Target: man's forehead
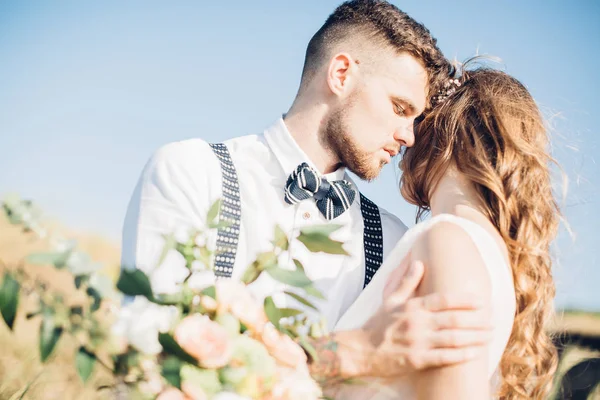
406, 77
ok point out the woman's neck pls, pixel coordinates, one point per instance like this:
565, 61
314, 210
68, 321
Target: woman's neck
456, 195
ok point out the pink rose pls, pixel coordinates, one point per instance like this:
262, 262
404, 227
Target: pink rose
282, 347
295, 384
205, 340
234, 297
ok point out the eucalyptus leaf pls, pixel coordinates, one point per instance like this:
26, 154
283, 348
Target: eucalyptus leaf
310, 349
221, 224
84, 363
324, 229
170, 346
210, 291
312, 291
281, 239
251, 274
171, 371
318, 242
9, 299
289, 312
272, 311
49, 335
96, 298
134, 283
300, 299
80, 280
293, 278
298, 264
213, 212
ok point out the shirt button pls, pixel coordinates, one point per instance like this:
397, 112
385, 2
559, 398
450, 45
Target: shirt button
306, 215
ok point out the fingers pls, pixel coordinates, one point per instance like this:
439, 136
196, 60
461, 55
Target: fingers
407, 285
451, 301
447, 338
472, 319
443, 357
396, 277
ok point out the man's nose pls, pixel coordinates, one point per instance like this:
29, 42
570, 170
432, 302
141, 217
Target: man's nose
405, 134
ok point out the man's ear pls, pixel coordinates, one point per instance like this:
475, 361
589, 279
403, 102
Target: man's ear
340, 73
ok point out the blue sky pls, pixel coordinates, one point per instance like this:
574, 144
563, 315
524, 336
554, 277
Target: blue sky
88, 90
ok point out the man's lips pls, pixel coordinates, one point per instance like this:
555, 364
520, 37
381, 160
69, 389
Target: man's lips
392, 152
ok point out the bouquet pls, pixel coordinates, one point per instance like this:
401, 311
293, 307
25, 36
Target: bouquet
200, 338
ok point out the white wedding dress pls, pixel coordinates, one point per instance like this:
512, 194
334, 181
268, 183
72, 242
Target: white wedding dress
502, 299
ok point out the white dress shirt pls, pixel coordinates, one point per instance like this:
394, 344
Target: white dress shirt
183, 179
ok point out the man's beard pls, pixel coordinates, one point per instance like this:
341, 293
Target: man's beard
336, 138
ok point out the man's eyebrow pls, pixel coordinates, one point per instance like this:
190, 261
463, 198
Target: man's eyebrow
413, 109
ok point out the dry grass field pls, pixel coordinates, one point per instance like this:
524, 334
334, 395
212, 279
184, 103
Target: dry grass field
21, 370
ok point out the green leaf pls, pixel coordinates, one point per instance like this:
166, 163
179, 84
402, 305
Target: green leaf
325, 229
213, 212
272, 311
84, 363
80, 280
318, 242
170, 244
251, 274
281, 239
293, 278
300, 299
32, 314
170, 346
266, 260
310, 349
298, 264
171, 370
220, 224
134, 283
9, 299
312, 291
96, 298
210, 291
59, 260
49, 335
289, 312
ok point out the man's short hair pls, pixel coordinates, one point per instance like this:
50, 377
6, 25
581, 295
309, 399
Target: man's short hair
381, 25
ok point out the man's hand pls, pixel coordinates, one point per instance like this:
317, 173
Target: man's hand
409, 334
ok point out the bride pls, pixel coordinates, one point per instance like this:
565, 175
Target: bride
481, 166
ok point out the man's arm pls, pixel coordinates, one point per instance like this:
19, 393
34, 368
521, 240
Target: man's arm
405, 336
173, 194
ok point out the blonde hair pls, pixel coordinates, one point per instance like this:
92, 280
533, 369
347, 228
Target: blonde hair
492, 131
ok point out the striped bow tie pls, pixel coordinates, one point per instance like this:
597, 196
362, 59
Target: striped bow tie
332, 198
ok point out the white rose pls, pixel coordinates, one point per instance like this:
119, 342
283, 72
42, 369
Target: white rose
141, 321
201, 279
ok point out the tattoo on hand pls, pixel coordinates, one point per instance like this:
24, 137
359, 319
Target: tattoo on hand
327, 363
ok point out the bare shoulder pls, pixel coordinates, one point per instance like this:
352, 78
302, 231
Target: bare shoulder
452, 261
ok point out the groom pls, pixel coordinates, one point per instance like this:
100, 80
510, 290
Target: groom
368, 73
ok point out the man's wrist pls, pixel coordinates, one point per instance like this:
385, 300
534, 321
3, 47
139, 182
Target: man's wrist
341, 355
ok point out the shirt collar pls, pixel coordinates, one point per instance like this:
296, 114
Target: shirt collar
289, 154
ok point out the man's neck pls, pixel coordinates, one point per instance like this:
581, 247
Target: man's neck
304, 124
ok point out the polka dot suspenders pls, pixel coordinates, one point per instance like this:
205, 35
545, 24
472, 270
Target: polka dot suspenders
231, 211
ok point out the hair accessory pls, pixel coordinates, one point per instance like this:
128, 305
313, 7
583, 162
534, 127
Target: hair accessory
449, 87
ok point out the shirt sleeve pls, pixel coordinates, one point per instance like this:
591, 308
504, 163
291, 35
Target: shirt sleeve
173, 194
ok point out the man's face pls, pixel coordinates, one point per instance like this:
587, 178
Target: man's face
376, 118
